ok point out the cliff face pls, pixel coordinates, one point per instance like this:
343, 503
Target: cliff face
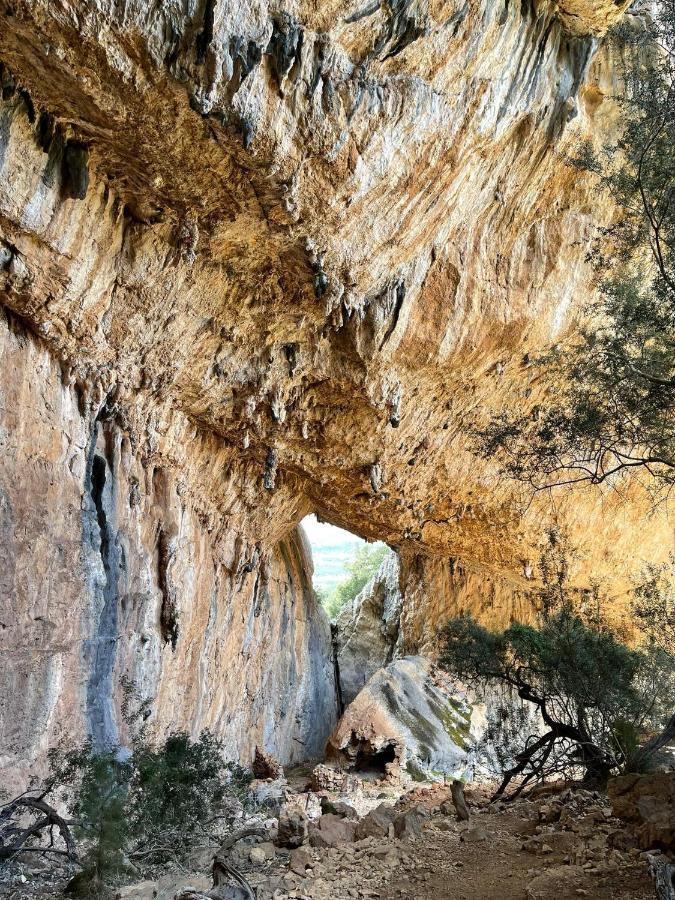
111, 572
367, 629
263, 258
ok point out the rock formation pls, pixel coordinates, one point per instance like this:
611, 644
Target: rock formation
647, 802
408, 718
259, 259
367, 629
111, 571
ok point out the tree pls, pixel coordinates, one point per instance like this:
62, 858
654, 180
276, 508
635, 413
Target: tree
360, 569
172, 793
605, 707
653, 611
611, 391
653, 605
128, 809
96, 785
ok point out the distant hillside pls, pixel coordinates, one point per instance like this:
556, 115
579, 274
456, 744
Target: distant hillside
332, 548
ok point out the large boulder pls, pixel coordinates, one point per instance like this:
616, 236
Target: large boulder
558, 881
338, 808
293, 824
408, 824
331, 831
327, 778
647, 802
367, 629
408, 718
379, 823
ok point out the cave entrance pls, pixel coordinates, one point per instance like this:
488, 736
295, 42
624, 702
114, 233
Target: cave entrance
375, 762
343, 563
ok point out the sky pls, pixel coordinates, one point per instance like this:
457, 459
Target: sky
331, 548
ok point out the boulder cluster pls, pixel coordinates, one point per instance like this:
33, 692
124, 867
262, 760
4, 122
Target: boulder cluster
366, 840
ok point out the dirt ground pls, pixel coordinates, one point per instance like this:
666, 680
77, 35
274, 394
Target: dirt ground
561, 846
446, 867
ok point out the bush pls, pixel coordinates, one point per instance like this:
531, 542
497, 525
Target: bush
605, 707
96, 787
173, 791
131, 809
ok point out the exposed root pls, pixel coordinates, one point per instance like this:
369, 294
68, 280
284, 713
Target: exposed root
222, 870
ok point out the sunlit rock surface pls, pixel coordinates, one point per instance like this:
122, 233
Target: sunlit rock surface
110, 570
263, 259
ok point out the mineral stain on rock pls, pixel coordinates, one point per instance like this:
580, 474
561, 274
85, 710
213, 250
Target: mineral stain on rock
303, 308
100, 646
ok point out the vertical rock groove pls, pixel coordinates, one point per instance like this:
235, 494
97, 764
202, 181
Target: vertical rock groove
100, 647
169, 612
315, 319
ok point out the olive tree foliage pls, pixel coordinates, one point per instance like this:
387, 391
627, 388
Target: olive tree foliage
610, 407
604, 706
123, 811
653, 612
653, 605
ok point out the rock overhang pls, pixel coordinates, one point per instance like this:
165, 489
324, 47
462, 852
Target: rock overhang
337, 299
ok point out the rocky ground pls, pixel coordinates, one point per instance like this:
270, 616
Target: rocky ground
388, 845
537, 850
509, 854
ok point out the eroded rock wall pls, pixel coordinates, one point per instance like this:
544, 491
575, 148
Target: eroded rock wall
278, 257
112, 568
400, 610
367, 629
333, 237
436, 590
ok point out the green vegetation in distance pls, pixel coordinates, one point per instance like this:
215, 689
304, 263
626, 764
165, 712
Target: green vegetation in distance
359, 570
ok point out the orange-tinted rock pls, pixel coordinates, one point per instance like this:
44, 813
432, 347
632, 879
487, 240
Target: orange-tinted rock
331, 831
265, 765
647, 802
249, 282
116, 563
327, 778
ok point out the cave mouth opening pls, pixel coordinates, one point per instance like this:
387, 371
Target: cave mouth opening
375, 761
333, 550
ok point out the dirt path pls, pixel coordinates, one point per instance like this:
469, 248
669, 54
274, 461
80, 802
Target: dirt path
559, 847
487, 862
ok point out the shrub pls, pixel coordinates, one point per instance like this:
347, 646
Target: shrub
128, 809
605, 707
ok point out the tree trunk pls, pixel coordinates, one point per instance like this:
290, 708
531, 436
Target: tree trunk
596, 775
643, 754
457, 789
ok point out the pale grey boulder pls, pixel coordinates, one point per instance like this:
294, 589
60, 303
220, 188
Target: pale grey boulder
409, 718
367, 629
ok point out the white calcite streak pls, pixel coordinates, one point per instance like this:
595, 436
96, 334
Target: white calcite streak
259, 259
